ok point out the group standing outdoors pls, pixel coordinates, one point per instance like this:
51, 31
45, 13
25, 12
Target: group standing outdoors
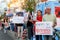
47, 17
29, 24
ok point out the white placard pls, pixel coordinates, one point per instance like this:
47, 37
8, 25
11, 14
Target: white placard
43, 28
17, 19
58, 22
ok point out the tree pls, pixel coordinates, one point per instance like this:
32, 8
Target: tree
29, 5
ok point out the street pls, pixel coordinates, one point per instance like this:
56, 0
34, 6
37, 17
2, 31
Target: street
4, 36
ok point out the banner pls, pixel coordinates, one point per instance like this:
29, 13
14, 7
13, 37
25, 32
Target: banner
44, 28
17, 19
58, 22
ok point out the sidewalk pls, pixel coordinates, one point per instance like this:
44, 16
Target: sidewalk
4, 36
12, 34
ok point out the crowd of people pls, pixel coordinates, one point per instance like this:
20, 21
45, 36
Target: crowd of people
28, 26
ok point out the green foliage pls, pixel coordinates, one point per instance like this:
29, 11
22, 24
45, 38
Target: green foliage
29, 5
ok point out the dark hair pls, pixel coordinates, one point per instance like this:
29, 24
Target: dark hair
30, 13
39, 10
19, 13
5, 19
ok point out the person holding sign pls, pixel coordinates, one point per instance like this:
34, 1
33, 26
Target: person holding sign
18, 20
48, 17
39, 19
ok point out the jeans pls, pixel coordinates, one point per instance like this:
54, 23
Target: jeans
5, 29
49, 37
38, 37
12, 26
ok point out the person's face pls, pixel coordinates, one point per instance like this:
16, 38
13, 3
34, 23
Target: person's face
39, 13
19, 14
48, 10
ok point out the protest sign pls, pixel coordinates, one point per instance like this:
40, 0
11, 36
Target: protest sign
58, 22
44, 28
17, 19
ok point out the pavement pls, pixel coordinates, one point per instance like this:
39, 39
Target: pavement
11, 36
4, 36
